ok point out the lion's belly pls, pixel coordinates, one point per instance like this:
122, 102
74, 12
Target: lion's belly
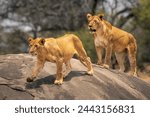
119, 47
101, 42
69, 54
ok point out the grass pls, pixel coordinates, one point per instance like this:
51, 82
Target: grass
88, 43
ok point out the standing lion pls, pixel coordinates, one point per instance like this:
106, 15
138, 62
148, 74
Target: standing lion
112, 39
59, 51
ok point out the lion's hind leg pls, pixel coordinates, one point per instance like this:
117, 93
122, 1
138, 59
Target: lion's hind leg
120, 59
81, 53
86, 61
89, 65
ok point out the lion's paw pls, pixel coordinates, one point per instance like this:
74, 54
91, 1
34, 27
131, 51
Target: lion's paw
29, 79
90, 72
58, 82
105, 66
99, 63
133, 74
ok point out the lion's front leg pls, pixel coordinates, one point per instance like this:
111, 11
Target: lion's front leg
67, 69
59, 74
36, 70
99, 55
107, 57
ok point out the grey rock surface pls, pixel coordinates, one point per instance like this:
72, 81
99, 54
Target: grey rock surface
104, 84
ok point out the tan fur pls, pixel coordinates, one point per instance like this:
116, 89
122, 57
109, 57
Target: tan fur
59, 51
112, 39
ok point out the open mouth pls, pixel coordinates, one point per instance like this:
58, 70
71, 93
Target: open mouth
33, 54
92, 30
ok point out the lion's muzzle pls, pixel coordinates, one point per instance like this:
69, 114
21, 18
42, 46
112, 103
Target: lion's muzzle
32, 53
92, 30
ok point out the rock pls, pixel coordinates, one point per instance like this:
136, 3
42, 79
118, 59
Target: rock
104, 84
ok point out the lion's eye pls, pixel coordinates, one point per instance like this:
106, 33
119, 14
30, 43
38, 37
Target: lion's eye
30, 45
36, 46
95, 21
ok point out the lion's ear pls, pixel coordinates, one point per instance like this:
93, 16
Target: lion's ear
101, 15
42, 41
89, 16
30, 39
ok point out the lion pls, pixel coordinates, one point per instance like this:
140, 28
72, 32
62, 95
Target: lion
59, 51
113, 39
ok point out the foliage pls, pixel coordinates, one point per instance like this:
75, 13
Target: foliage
142, 13
88, 43
142, 16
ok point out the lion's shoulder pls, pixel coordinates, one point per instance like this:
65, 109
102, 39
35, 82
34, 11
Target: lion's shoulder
107, 24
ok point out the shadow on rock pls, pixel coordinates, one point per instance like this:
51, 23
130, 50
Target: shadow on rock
38, 82
74, 74
50, 79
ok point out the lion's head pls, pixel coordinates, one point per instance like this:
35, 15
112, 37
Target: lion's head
96, 22
35, 45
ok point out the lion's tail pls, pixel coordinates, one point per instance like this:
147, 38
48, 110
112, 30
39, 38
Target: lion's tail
133, 42
132, 51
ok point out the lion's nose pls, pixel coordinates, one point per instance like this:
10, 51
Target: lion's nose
90, 26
